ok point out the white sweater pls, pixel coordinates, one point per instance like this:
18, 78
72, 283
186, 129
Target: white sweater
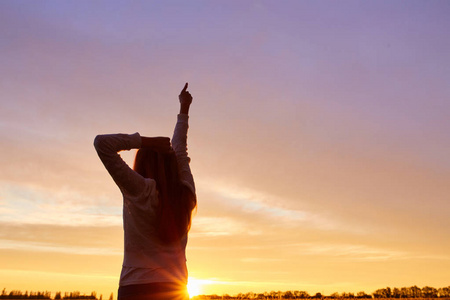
146, 259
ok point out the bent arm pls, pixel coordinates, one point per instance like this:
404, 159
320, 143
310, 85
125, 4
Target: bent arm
108, 146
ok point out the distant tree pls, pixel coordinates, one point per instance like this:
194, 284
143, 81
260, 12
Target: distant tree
335, 295
111, 297
303, 295
388, 292
15, 294
415, 292
348, 295
380, 293
318, 296
404, 292
58, 295
101, 297
363, 295
288, 295
396, 293
429, 292
444, 292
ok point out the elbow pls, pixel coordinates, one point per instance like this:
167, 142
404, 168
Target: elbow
98, 141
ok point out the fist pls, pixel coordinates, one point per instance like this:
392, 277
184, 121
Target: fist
185, 97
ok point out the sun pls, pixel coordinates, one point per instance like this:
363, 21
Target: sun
194, 287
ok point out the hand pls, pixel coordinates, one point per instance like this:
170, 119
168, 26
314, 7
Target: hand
185, 97
159, 144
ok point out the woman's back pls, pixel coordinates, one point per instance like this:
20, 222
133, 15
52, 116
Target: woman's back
157, 207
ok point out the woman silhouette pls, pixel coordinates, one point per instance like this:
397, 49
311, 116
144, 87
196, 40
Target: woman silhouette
158, 199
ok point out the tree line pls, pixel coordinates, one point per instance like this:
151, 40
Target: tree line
16, 294
384, 293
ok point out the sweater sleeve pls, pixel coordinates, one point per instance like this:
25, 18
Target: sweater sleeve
108, 146
179, 144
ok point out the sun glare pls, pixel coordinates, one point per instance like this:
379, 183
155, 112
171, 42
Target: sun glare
194, 287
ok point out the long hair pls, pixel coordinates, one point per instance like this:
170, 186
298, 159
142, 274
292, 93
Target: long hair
176, 201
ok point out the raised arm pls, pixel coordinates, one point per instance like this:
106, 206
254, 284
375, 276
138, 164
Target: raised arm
179, 140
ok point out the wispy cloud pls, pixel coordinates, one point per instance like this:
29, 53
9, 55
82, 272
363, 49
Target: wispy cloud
61, 238
350, 251
52, 248
268, 206
258, 260
29, 204
217, 226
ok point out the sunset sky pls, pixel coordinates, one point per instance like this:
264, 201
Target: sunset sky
319, 137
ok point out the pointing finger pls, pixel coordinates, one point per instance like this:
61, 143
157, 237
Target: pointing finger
185, 88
